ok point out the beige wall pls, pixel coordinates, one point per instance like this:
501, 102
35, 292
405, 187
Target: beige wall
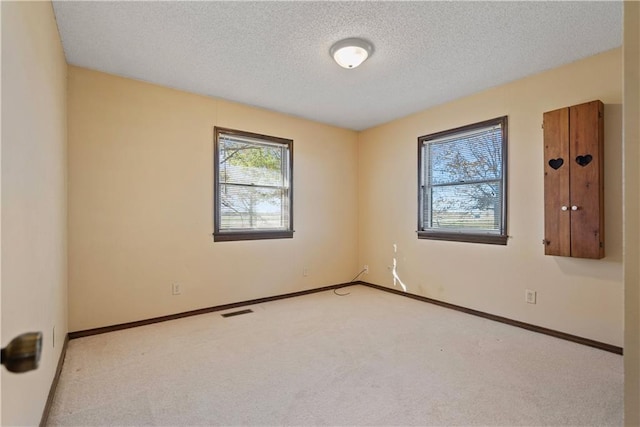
34, 199
577, 296
141, 204
632, 211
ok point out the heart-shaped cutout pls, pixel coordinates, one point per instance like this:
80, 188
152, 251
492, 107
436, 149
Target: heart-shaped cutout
584, 160
556, 163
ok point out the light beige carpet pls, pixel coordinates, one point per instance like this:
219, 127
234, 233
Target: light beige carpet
369, 358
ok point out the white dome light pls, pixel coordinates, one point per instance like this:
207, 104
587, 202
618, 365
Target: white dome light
349, 53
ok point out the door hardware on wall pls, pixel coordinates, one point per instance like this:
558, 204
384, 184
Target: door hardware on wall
23, 353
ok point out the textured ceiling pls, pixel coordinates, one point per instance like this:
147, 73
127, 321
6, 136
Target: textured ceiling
275, 55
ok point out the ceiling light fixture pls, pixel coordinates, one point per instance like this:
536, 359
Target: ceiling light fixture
349, 53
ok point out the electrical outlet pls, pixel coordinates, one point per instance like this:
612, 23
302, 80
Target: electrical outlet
176, 289
530, 296
366, 269
305, 271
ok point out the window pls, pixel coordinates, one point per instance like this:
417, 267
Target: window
462, 184
253, 188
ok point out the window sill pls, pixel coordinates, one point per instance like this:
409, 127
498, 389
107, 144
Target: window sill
462, 237
251, 235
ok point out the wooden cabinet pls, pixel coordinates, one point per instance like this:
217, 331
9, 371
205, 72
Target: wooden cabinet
573, 181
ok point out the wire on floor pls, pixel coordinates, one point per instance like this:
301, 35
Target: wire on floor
335, 291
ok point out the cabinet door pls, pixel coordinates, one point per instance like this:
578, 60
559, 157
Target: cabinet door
557, 214
586, 128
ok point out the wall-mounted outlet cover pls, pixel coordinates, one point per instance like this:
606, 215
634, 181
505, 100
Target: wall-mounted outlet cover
530, 296
176, 289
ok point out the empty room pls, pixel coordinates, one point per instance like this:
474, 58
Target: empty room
320, 213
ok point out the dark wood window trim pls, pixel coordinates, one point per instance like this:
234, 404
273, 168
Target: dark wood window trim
249, 234
464, 237
230, 236
456, 235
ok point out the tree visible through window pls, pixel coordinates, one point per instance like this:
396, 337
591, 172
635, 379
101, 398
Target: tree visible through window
462, 189
253, 186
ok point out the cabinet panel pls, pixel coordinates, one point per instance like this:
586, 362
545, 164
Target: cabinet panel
586, 125
574, 181
556, 183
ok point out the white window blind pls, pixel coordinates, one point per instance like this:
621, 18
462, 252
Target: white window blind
462, 180
254, 184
